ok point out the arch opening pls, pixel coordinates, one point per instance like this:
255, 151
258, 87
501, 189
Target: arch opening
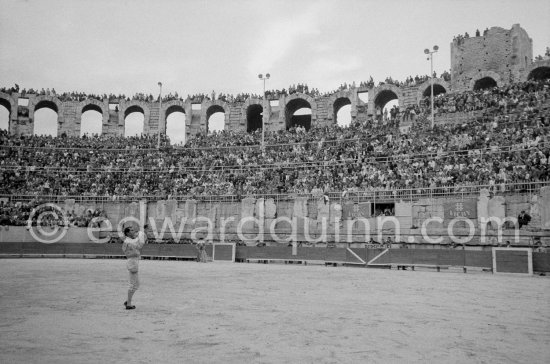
92, 107
46, 104
45, 122
383, 98
132, 109
342, 111
484, 83
539, 73
5, 111
134, 123
438, 90
343, 117
175, 125
254, 118
298, 113
91, 122
215, 118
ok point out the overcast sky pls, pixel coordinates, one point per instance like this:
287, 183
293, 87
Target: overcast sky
197, 46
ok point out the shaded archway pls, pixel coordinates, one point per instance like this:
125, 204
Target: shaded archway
46, 104
484, 83
298, 113
5, 113
175, 124
342, 111
383, 97
384, 101
215, 118
254, 118
134, 119
539, 73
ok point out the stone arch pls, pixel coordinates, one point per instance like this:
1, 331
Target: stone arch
45, 101
253, 100
171, 107
385, 93
9, 103
440, 86
485, 74
92, 104
95, 105
254, 117
338, 100
539, 73
211, 107
126, 108
338, 104
297, 101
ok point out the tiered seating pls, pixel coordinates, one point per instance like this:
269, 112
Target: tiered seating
492, 149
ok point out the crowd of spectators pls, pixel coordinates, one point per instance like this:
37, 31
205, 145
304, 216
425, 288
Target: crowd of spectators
416, 80
522, 96
459, 39
200, 97
489, 149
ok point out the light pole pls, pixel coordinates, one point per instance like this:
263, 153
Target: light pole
160, 115
261, 77
431, 53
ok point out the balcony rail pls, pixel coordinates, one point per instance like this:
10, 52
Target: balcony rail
373, 196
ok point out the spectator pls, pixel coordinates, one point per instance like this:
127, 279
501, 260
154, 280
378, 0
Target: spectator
523, 219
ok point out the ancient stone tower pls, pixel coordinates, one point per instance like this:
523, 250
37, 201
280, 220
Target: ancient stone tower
498, 57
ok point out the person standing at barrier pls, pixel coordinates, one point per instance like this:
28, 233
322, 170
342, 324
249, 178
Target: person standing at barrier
202, 251
133, 242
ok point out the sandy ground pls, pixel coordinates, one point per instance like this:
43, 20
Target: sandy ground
70, 311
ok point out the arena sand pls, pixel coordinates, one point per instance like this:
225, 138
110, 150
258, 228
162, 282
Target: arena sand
71, 311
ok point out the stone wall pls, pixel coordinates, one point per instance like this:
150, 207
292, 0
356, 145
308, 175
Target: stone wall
501, 54
344, 221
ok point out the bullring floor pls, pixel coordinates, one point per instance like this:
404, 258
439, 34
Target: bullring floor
70, 311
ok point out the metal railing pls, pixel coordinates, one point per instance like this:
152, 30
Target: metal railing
382, 195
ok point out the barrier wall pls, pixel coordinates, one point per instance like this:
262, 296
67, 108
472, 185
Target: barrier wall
14, 234
343, 220
357, 256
